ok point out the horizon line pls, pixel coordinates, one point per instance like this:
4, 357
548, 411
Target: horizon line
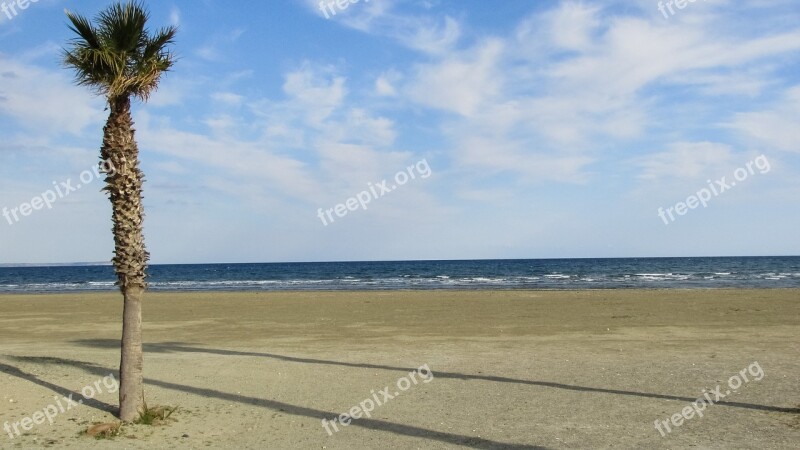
108, 263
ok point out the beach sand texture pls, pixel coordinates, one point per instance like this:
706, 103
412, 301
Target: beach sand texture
511, 369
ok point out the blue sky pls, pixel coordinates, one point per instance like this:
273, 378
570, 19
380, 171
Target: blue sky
550, 128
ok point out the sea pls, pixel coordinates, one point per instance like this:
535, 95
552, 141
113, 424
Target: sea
767, 272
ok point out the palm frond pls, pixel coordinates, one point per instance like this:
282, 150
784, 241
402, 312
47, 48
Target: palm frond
83, 28
117, 56
156, 45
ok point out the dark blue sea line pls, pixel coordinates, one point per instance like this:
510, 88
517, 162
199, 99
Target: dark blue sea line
590, 273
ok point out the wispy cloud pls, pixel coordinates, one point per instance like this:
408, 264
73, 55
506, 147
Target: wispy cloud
215, 48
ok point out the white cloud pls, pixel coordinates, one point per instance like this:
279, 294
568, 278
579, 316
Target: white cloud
384, 87
776, 127
175, 16
361, 127
173, 90
214, 48
686, 160
461, 84
431, 37
422, 32
749, 82
236, 158
315, 91
227, 98
572, 26
486, 156
386, 82
38, 99
350, 145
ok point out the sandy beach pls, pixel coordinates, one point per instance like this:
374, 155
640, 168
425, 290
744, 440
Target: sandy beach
508, 369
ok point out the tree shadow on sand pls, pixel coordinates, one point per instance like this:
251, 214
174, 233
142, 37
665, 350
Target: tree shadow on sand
372, 424
62, 391
179, 347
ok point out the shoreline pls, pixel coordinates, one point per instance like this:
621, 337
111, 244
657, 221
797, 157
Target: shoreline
458, 289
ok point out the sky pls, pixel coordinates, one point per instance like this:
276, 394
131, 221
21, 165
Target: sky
418, 129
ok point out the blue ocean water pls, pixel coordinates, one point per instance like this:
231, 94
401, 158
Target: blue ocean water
605, 273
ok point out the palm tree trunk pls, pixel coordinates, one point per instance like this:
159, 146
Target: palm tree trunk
124, 186
131, 360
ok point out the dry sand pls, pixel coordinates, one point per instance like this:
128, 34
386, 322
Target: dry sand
511, 369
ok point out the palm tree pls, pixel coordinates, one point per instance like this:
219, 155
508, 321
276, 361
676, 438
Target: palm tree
118, 58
